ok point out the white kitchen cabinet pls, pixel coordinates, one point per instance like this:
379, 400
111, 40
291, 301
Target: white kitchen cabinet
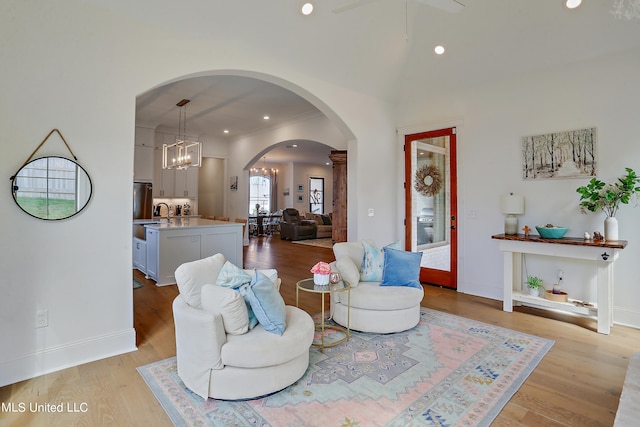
143, 163
163, 179
140, 254
152, 253
143, 158
172, 183
186, 183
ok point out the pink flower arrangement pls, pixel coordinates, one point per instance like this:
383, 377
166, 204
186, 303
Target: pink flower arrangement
321, 268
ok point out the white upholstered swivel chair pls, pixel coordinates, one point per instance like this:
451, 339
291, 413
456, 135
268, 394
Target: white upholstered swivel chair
215, 356
373, 308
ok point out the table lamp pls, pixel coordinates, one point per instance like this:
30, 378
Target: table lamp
511, 206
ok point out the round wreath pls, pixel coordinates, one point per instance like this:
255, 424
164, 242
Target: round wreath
428, 180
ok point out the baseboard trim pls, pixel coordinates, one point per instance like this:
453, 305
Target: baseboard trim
65, 356
626, 317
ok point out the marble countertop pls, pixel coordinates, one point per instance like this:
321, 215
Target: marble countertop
178, 222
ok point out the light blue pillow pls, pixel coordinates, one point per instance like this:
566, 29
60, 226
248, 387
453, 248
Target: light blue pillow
373, 261
253, 320
401, 268
267, 304
232, 276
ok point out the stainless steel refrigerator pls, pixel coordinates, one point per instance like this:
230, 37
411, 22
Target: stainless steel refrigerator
142, 200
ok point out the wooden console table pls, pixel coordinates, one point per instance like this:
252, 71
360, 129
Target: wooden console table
602, 253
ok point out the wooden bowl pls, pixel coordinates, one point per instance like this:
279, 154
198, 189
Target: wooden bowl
561, 297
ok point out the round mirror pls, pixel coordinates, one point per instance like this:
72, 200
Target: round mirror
51, 188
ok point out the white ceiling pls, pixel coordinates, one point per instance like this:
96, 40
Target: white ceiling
234, 103
383, 48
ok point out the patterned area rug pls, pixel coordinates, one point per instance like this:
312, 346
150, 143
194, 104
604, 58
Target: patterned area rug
323, 243
447, 371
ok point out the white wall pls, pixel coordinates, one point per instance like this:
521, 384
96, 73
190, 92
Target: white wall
212, 186
79, 68
601, 93
302, 173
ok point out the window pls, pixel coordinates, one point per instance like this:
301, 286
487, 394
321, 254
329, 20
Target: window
259, 194
316, 195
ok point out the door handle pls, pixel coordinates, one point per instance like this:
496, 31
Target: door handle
453, 227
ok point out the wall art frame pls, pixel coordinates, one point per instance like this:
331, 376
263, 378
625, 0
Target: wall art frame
560, 155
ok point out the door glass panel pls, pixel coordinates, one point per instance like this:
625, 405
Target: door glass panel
316, 195
430, 202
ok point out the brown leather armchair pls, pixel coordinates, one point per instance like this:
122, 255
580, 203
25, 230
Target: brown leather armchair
294, 228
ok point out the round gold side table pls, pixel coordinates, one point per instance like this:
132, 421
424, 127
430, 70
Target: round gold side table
307, 285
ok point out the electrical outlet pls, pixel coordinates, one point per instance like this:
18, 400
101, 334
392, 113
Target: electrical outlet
42, 318
370, 212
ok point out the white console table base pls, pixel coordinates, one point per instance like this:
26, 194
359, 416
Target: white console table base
602, 254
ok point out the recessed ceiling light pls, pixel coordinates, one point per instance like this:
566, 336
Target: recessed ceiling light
226, 131
307, 8
266, 117
295, 145
439, 50
572, 4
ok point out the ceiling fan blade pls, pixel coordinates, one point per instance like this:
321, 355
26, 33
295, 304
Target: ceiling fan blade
451, 6
342, 6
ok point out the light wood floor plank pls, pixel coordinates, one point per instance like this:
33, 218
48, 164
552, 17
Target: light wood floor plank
578, 383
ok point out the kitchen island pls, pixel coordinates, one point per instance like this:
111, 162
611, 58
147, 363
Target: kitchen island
172, 243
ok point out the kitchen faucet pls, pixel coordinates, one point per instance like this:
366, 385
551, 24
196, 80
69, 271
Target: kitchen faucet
168, 210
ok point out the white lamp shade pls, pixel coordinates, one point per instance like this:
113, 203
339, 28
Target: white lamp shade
512, 204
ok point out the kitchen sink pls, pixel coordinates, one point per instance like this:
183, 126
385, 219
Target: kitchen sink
149, 221
138, 227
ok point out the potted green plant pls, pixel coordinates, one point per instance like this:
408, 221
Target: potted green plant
598, 195
534, 283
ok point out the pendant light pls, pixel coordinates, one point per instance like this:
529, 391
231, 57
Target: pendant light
184, 153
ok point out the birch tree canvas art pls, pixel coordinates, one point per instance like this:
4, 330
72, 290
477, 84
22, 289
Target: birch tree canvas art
568, 154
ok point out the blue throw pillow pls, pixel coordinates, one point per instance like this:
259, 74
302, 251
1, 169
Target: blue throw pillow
373, 261
401, 268
267, 304
232, 276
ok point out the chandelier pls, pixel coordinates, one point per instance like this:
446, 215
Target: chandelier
264, 171
627, 9
184, 153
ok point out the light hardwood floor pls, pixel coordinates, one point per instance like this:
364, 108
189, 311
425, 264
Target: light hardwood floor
578, 383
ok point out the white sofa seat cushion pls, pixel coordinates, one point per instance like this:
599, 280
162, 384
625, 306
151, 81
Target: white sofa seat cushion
259, 348
372, 296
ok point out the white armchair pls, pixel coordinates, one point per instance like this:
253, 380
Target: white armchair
373, 308
217, 355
